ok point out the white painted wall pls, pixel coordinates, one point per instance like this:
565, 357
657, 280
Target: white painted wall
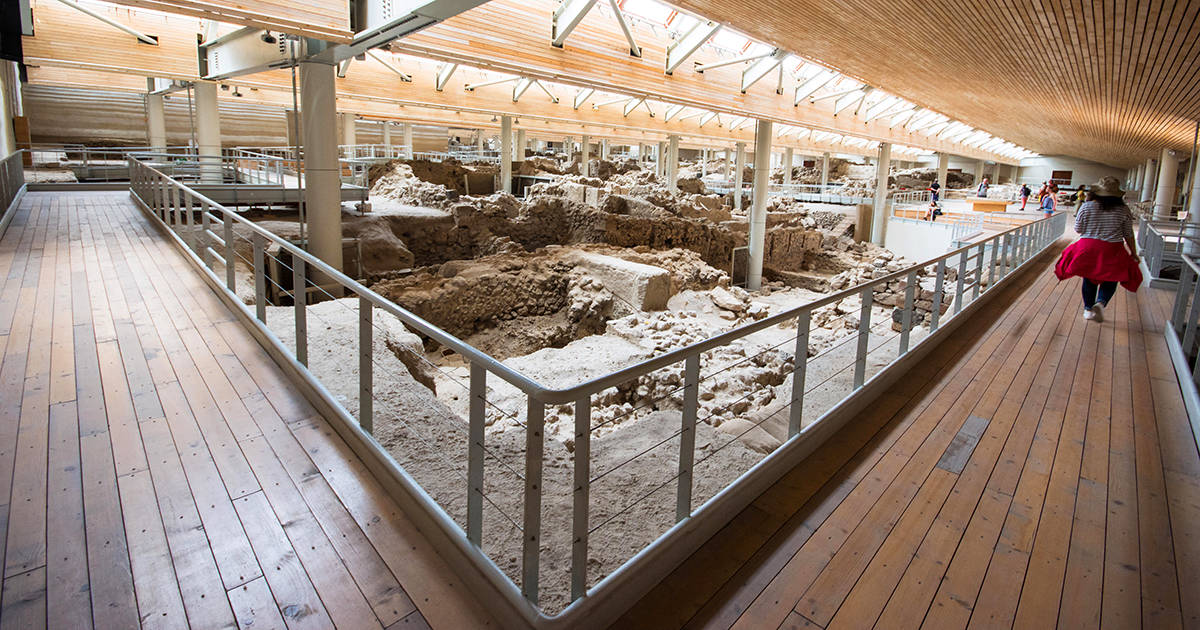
918, 240
1036, 170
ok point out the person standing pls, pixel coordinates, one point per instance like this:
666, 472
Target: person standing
1106, 253
935, 191
1025, 192
983, 188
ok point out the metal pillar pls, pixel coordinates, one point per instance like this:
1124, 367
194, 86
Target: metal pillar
322, 172
349, 130
758, 204
825, 169
943, 167
208, 131
739, 166
506, 153
1148, 181
8, 137
407, 130
673, 163
585, 152
1168, 171
882, 168
789, 157
156, 121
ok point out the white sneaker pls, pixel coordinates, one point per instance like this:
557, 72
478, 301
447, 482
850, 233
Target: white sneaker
1098, 312
1089, 314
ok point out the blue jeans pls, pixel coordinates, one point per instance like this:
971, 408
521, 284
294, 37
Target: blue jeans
1107, 290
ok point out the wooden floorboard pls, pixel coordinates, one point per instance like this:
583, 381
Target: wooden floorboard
1077, 507
157, 469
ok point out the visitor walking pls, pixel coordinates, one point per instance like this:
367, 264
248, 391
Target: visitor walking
1049, 204
1106, 253
983, 187
935, 191
1080, 196
1025, 192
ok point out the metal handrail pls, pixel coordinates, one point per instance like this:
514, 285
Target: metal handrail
173, 203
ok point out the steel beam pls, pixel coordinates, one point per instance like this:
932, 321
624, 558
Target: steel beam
761, 68
690, 42
566, 17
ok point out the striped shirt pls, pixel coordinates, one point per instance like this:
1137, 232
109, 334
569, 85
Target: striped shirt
1093, 221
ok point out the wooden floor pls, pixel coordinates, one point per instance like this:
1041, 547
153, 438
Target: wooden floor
157, 469
1036, 472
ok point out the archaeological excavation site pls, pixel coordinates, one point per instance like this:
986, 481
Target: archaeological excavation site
580, 315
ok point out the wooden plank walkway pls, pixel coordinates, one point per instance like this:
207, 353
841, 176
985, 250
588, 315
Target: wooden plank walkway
1037, 471
158, 470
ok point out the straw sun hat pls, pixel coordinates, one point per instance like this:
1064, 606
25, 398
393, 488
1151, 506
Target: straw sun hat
1108, 186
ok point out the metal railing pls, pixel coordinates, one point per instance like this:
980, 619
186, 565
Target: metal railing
1183, 337
815, 193
1162, 243
598, 500
918, 198
12, 178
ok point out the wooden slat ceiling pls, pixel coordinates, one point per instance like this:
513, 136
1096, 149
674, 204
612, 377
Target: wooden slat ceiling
323, 19
1109, 81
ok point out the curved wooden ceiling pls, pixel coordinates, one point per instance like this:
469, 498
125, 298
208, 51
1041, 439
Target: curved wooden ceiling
1105, 80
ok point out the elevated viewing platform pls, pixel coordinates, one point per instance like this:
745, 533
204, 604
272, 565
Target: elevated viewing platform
164, 470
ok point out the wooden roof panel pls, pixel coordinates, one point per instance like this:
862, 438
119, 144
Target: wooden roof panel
1109, 81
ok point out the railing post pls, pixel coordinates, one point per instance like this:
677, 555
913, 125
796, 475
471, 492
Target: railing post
366, 367
687, 436
907, 316
231, 254
475, 436
1189, 334
864, 336
1186, 275
532, 526
992, 265
300, 303
978, 273
205, 243
579, 519
962, 279
260, 275
935, 315
189, 220
799, 374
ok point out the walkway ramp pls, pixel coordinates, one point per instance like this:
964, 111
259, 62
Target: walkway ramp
158, 469
1036, 471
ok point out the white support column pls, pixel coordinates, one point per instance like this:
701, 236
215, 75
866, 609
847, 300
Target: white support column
322, 173
521, 140
506, 153
763, 132
1148, 181
349, 129
880, 218
703, 163
407, 130
660, 162
156, 122
980, 165
943, 167
385, 128
1193, 208
673, 163
479, 138
728, 165
8, 136
825, 169
208, 131
604, 149
789, 158
739, 165
585, 153
569, 147
1168, 171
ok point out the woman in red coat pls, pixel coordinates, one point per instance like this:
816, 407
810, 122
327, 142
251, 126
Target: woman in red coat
1106, 252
